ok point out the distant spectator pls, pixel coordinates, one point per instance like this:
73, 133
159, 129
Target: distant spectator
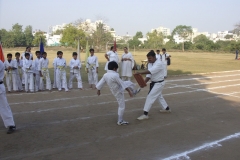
236, 54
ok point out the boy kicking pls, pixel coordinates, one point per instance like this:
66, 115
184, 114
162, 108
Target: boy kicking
117, 87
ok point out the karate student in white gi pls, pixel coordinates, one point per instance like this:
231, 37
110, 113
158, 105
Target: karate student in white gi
44, 73
36, 73
111, 56
75, 66
61, 72
164, 60
18, 64
9, 68
28, 50
155, 72
5, 109
55, 71
28, 67
127, 65
92, 69
117, 87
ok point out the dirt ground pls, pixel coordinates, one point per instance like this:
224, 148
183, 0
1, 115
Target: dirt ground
204, 123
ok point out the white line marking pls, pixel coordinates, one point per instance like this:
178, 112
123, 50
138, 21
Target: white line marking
208, 145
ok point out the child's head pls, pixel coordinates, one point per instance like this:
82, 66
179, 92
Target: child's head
163, 50
38, 54
91, 51
74, 55
17, 55
44, 55
28, 49
112, 66
27, 55
158, 51
9, 56
60, 54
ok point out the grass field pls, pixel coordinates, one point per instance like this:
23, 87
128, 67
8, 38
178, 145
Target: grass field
181, 62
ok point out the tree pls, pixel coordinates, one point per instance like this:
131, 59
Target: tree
183, 32
154, 40
37, 38
135, 42
28, 35
19, 37
139, 34
228, 36
201, 42
6, 38
58, 32
70, 34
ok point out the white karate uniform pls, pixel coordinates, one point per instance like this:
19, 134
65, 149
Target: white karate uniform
61, 74
157, 74
37, 75
92, 65
43, 67
113, 56
55, 71
10, 75
18, 64
5, 109
23, 58
28, 67
164, 60
75, 72
117, 87
126, 67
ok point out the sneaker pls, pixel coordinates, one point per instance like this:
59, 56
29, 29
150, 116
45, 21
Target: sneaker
165, 111
11, 129
122, 123
136, 91
142, 117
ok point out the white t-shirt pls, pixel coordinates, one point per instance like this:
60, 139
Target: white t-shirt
164, 56
157, 71
23, 56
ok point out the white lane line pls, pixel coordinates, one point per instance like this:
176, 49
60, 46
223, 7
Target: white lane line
184, 155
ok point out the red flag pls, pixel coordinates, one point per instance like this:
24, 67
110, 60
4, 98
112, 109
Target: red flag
115, 45
1, 53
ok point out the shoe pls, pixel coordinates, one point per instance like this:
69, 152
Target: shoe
11, 129
136, 91
142, 117
165, 111
122, 123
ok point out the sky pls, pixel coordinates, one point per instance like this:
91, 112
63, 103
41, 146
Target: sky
125, 16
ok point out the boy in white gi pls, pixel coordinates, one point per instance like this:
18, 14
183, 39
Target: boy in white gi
5, 109
28, 67
55, 71
117, 87
44, 73
9, 68
165, 56
155, 72
36, 73
61, 72
18, 64
28, 50
92, 69
75, 66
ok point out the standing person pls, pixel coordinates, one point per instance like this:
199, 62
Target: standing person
158, 55
5, 109
127, 65
44, 73
18, 64
55, 70
28, 67
92, 69
236, 54
36, 71
75, 66
165, 56
117, 87
155, 72
9, 68
111, 56
61, 76
28, 50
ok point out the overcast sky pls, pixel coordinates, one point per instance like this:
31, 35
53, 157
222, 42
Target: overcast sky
123, 15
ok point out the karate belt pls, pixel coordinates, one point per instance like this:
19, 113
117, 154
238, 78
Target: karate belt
152, 85
91, 66
44, 69
1, 82
61, 68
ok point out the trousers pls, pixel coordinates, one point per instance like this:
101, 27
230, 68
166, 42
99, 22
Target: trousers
29, 84
78, 77
61, 79
92, 76
5, 110
45, 78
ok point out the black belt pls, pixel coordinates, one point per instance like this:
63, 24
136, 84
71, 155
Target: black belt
1, 82
152, 85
